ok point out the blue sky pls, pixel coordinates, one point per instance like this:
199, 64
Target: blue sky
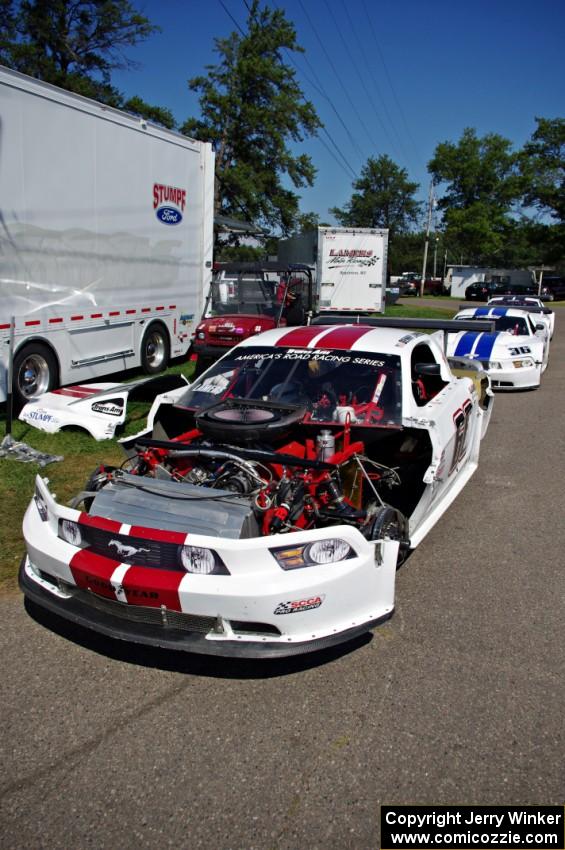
401, 76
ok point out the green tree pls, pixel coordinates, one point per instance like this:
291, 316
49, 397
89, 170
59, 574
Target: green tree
74, 44
383, 197
252, 108
157, 114
542, 162
483, 185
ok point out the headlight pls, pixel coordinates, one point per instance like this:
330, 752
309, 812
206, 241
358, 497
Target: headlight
70, 532
201, 561
328, 551
494, 364
200, 335
522, 364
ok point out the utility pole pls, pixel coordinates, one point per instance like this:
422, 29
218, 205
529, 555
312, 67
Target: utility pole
425, 262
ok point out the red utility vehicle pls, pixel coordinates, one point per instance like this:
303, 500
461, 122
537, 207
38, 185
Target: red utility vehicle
246, 299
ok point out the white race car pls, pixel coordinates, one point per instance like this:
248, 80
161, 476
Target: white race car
540, 312
264, 511
514, 356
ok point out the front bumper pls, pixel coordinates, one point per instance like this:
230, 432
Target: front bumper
214, 351
259, 610
89, 614
511, 378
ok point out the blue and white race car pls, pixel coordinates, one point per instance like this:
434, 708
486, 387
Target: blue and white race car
534, 305
514, 356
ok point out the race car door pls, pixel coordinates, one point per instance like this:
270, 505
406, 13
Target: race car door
448, 408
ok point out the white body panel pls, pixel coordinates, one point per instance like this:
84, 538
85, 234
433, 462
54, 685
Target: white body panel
94, 243
98, 408
349, 263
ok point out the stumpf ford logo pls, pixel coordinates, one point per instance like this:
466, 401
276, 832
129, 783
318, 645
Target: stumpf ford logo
169, 203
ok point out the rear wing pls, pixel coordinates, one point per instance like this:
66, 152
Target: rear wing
529, 308
445, 325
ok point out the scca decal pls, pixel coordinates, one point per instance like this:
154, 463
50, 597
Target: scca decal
297, 605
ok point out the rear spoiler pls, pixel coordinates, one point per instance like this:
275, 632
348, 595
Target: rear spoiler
445, 325
526, 307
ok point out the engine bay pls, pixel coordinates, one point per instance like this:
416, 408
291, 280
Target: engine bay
262, 445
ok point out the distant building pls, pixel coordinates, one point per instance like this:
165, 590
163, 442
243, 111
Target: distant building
459, 277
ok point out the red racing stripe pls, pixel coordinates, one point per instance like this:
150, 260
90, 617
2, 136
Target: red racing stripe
157, 534
100, 522
93, 572
77, 392
153, 588
300, 337
343, 337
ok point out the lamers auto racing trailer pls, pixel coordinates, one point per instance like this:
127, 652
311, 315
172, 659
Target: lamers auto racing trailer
349, 266
106, 236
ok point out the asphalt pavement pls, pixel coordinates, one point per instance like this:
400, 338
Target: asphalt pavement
459, 698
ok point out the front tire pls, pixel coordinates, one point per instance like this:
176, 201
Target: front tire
390, 524
35, 372
155, 349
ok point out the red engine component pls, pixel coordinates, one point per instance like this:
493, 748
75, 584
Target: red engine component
289, 487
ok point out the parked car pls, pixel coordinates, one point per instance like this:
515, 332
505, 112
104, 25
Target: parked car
514, 356
264, 511
531, 303
483, 290
432, 286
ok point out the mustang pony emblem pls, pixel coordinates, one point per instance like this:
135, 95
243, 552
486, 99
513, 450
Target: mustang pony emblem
127, 551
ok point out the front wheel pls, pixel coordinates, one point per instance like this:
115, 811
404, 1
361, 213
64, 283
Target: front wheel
155, 349
35, 372
390, 524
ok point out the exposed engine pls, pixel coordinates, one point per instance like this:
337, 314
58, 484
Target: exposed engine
286, 485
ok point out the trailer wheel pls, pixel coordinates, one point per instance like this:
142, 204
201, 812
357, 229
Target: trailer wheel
35, 372
155, 349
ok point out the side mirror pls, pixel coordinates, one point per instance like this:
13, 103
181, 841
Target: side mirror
540, 327
426, 369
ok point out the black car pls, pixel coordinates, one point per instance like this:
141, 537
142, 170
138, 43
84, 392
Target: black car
483, 290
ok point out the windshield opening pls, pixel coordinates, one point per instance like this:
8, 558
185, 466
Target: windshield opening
333, 385
249, 295
512, 324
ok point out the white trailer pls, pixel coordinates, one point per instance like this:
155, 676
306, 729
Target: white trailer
106, 237
349, 265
